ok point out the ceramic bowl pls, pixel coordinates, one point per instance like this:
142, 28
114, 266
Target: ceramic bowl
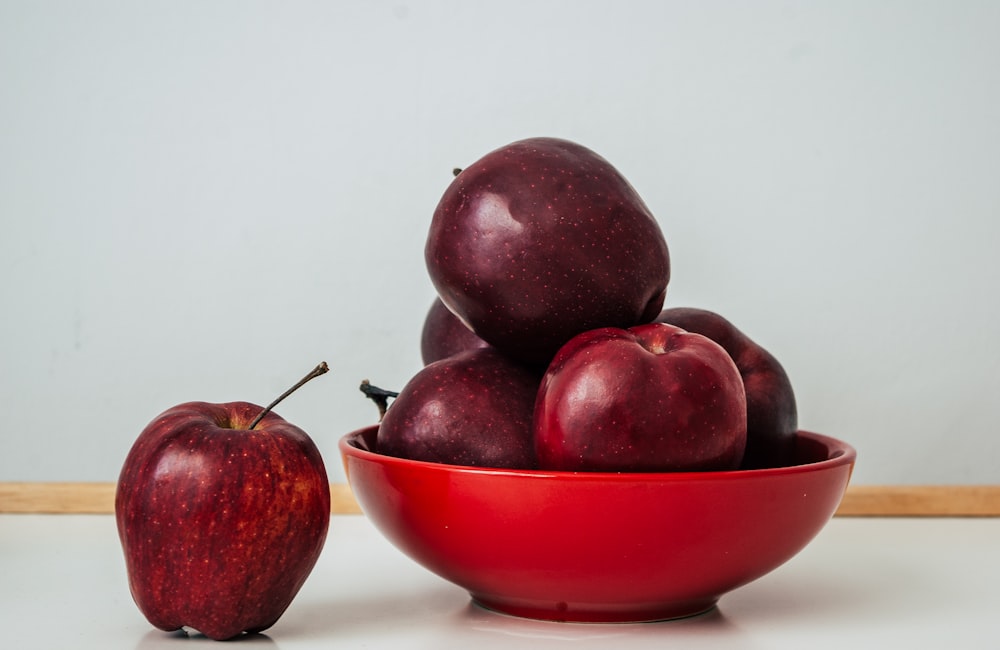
599, 547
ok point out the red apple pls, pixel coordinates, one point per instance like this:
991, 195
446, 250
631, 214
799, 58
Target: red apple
541, 240
220, 522
445, 335
473, 408
772, 415
650, 398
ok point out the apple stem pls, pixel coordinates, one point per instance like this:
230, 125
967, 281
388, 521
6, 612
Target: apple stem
322, 368
378, 395
456, 171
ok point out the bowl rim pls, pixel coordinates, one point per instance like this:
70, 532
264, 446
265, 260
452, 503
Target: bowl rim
841, 453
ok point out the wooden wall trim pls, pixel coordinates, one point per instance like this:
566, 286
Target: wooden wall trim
860, 500
99, 498
921, 500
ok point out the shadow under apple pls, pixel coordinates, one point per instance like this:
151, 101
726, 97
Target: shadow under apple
187, 639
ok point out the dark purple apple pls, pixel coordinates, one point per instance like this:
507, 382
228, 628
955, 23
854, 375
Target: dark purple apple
772, 415
653, 398
473, 408
541, 240
222, 511
444, 335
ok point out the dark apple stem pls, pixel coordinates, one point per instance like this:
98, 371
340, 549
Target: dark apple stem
322, 368
378, 395
456, 171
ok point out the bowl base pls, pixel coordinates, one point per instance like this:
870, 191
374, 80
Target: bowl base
595, 613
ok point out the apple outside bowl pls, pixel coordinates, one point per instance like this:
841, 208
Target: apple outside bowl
596, 546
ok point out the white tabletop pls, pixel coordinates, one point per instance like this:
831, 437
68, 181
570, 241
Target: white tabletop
863, 583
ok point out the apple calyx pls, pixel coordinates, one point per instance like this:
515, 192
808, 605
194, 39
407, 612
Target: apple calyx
378, 395
321, 369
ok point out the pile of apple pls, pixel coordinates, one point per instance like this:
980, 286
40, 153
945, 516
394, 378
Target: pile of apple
548, 346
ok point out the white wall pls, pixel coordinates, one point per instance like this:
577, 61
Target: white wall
204, 200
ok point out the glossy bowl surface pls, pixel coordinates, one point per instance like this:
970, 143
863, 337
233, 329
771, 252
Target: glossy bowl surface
599, 547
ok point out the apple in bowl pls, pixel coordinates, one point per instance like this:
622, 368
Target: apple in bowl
543, 239
650, 398
772, 414
444, 335
473, 408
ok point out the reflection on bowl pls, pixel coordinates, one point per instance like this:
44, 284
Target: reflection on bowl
596, 546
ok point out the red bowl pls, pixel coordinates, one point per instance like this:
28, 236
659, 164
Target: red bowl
599, 547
